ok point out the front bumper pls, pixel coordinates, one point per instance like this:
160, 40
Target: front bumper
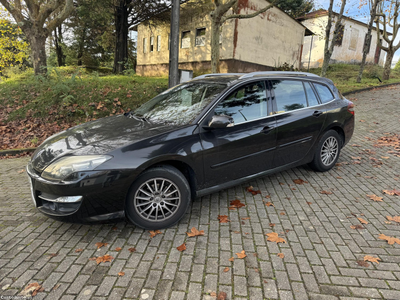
99, 195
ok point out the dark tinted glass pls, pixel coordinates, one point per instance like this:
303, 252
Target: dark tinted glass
244, 104
289, 95
312, 99
324, 92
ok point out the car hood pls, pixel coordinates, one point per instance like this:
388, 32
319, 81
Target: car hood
96, 137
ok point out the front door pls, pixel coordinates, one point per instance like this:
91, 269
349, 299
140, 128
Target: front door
246, 148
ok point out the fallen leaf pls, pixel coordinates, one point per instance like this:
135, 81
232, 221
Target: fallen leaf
99, 245
231, 259
391, 240
121, 274
326, 192
154, 233
281, 255
195, 232
394, 219
118, 249
268, 196
356, 157
299, 181
362, 263
375, 198
223, 219
251, 190
392, 192
131, 250
241, 254
246, 218
236, 231
273, 237
237, 204
338, 177
265, 281
282, 213
32, 289
21, 171
56, 287
271, 224
269, 204
104, 258
226, 269
362, 221
309, 203
213, 294
358, 226
53, 254
221, 296
371, 259
78, 250
181, 247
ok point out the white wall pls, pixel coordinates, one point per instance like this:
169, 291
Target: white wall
271, 39
349, 52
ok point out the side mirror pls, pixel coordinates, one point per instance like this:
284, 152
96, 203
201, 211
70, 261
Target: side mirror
221, 121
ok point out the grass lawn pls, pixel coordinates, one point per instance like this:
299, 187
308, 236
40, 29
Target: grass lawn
35, 107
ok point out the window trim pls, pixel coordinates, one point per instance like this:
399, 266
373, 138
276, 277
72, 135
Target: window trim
190, 40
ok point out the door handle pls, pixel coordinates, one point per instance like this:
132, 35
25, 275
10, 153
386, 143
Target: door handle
317, 113
267, 129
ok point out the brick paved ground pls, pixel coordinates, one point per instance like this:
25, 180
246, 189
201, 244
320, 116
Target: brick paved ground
321, 252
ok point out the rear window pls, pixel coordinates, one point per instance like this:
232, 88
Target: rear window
324, 92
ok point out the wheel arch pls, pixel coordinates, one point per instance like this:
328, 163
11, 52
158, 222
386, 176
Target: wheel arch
186, 169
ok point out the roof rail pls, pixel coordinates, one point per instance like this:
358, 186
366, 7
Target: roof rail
277, 73
218, 74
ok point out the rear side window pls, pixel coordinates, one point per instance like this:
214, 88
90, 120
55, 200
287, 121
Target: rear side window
312, 99
324, 92
289, 95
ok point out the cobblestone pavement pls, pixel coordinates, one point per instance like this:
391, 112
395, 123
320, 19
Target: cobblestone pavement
320, 256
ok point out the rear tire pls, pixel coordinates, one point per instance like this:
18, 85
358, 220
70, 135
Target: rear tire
158, 198
327, 152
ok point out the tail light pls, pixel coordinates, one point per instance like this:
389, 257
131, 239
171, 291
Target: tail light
350, 108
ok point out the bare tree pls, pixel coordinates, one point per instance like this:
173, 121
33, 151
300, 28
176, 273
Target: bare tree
37, 19
330, 43
218, 18
367, 44
387, 17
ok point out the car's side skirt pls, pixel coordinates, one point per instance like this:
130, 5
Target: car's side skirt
232, 183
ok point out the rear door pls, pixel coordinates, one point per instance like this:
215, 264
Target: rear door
299, 119
246, 148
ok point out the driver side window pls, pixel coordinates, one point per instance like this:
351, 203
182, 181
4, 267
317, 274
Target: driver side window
247, 103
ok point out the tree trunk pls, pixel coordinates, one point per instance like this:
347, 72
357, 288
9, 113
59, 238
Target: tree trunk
57, 44
121, 32
367, 44
37, 42
81, 47
215, 27
388, 64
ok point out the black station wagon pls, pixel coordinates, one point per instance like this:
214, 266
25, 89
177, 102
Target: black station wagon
208, 134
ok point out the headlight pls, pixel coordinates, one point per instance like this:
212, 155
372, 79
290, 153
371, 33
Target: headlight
65, 166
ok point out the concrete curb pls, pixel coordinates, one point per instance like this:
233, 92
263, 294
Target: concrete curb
16, 151
370, 88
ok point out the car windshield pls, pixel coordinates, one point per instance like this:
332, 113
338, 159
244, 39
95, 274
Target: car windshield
180, 105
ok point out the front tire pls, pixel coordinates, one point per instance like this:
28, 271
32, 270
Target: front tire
158, 198
327, 152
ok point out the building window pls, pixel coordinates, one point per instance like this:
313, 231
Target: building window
158, 42
151, 43
200, 37
339, 38
367, 42
145, 45
353, 39
185, 39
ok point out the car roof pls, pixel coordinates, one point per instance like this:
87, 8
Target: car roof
233, 77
